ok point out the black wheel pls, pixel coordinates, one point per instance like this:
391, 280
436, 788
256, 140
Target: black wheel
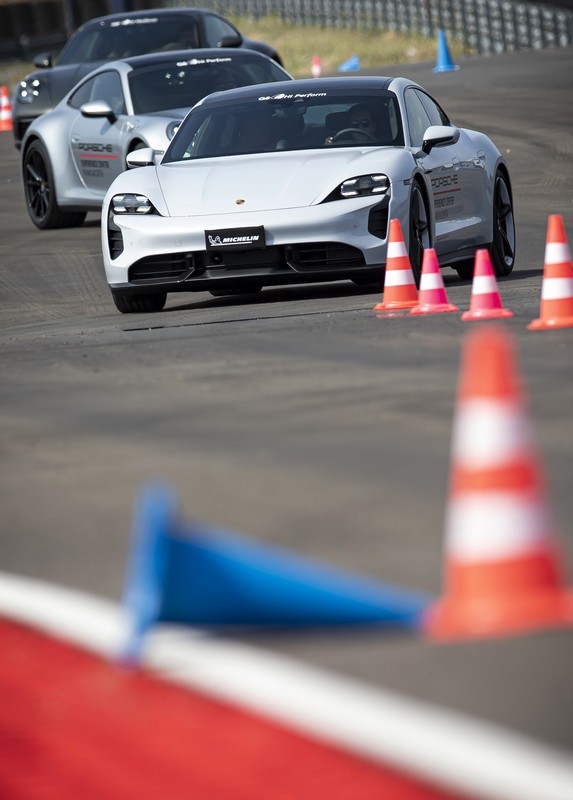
40, 193
465, 269
138, 303
235, 291
503, 246
420, 238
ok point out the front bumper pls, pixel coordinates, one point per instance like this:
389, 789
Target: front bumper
331, 241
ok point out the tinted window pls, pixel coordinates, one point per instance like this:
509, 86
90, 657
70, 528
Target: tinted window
183, 83
105, 86
251, 125
123, 38
215, 29
418, 119
435, 113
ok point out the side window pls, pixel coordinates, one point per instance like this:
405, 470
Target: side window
433, 110
82, 94
215, 29
418, 120
107, 86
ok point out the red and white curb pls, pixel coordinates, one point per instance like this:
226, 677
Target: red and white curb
445, 748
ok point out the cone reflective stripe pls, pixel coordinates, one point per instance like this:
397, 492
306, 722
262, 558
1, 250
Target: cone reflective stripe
316, 67
203, 576
502, 572
5, 110
485, 300
432, 294
556, 308
399, 286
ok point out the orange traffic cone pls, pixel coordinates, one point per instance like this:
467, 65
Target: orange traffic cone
433, 298
485, 301
316, 67
502, 572
556, 310
5, 110
399, 287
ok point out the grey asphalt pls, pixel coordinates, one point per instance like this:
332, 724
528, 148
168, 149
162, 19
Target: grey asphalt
299, 418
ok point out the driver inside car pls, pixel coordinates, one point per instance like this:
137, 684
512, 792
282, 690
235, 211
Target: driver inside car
360, 127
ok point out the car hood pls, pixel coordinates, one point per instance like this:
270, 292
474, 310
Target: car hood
262, 181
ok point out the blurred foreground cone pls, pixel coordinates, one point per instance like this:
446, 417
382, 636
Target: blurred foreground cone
485, 301
556, 309
502, 572
5, 110
316, 67
433, 298
197, 574
399, 286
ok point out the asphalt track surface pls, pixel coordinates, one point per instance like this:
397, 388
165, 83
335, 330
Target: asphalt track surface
298, 418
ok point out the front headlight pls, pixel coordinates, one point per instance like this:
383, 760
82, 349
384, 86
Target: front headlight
132, 204
361, 186
28, 90
172, 129
364, 185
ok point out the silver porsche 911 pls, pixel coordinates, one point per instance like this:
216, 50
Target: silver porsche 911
71, 154
297, 182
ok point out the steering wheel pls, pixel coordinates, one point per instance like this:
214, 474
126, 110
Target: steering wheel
346, 132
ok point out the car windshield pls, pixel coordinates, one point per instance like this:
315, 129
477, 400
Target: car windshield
184, 82
108, 40
285, 121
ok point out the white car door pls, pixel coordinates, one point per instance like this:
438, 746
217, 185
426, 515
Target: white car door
454, 189
97, 140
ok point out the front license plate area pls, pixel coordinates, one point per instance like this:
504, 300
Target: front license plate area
236, 239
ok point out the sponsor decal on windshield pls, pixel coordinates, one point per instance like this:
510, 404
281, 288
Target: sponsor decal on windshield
140, 21
194, 61
283, 96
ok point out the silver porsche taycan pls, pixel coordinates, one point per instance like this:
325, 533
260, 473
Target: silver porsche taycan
71, 154
297, 182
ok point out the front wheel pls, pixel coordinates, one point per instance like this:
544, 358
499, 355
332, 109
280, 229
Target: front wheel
419, 239
138, 303
503, 245
40, 191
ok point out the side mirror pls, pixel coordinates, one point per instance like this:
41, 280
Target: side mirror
439, 136
43, 60
231, 40
98, 108
144, 157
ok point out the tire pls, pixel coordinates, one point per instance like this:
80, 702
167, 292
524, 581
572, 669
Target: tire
419, 239
40, 192
502, 248
465, 269
235, 291
138, 303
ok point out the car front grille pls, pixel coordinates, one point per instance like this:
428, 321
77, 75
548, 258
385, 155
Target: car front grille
378, 220
324, 255
169, 267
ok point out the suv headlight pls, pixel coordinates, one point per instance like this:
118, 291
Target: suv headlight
360, 186
132, 204
28, 90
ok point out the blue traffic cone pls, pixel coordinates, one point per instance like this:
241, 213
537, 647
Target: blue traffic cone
205, 576
444, 60
350, 65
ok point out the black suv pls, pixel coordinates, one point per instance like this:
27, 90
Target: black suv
119, 36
